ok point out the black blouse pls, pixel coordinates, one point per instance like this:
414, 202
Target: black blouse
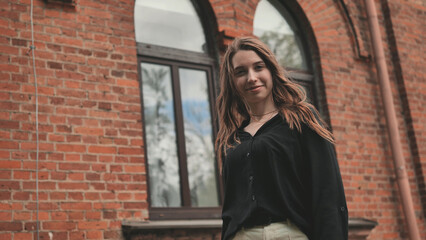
287, 174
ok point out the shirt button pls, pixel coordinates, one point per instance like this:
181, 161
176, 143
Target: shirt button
251, 178
253, 197
248, 154
342, 209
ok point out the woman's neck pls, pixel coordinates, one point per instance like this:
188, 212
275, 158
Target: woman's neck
261, 108
262, 111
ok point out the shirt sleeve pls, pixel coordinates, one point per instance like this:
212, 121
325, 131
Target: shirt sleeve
329, 209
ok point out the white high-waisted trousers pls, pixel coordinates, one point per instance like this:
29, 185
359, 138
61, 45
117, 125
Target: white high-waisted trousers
274, 231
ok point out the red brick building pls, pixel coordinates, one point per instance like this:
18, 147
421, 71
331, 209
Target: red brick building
124, 92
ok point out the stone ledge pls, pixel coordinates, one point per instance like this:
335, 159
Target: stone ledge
359, 228
354, 223
173, 224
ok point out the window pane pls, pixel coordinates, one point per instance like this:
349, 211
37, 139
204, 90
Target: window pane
271, 26
198, 138
170, 23
164, 182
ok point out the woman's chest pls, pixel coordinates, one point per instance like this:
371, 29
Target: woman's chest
264, 148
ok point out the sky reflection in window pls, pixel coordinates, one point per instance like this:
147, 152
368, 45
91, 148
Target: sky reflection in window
169, 23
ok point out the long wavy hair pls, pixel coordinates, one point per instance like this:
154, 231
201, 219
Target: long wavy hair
288, 97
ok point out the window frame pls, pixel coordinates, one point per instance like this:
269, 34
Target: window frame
305, 78
175, 59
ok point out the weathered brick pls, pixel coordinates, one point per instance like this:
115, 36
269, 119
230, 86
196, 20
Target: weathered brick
11, 226
76, 206
102, 150
70, 148
59, 225
5, 195
74, 166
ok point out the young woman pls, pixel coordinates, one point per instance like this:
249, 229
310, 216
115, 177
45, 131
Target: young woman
281, 177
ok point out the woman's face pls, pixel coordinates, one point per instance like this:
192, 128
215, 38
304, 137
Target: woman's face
252, 78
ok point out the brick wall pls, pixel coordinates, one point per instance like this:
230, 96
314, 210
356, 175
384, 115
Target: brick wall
91, 161
91, 165
407, 35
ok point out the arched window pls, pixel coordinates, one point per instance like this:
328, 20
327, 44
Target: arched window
177, 97
275, 26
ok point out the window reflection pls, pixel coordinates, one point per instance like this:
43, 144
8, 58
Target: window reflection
169, 23
198, 138
164, 182
271, 26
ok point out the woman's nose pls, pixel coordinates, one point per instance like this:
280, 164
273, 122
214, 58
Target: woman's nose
251, 76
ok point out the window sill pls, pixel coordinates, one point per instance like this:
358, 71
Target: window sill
358, 228
173, 224
354, 223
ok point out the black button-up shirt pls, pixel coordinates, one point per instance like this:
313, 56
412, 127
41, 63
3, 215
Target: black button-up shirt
286, 174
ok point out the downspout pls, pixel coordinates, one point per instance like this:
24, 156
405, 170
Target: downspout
395, 140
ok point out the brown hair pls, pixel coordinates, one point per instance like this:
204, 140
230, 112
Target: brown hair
288, 97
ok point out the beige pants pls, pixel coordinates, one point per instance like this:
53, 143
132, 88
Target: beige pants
274, 231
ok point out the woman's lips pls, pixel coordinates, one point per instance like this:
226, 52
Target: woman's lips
254, 89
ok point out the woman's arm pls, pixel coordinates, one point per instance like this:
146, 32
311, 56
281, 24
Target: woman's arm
329, 209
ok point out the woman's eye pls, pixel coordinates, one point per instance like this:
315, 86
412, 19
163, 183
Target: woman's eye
239, 73
258, 67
